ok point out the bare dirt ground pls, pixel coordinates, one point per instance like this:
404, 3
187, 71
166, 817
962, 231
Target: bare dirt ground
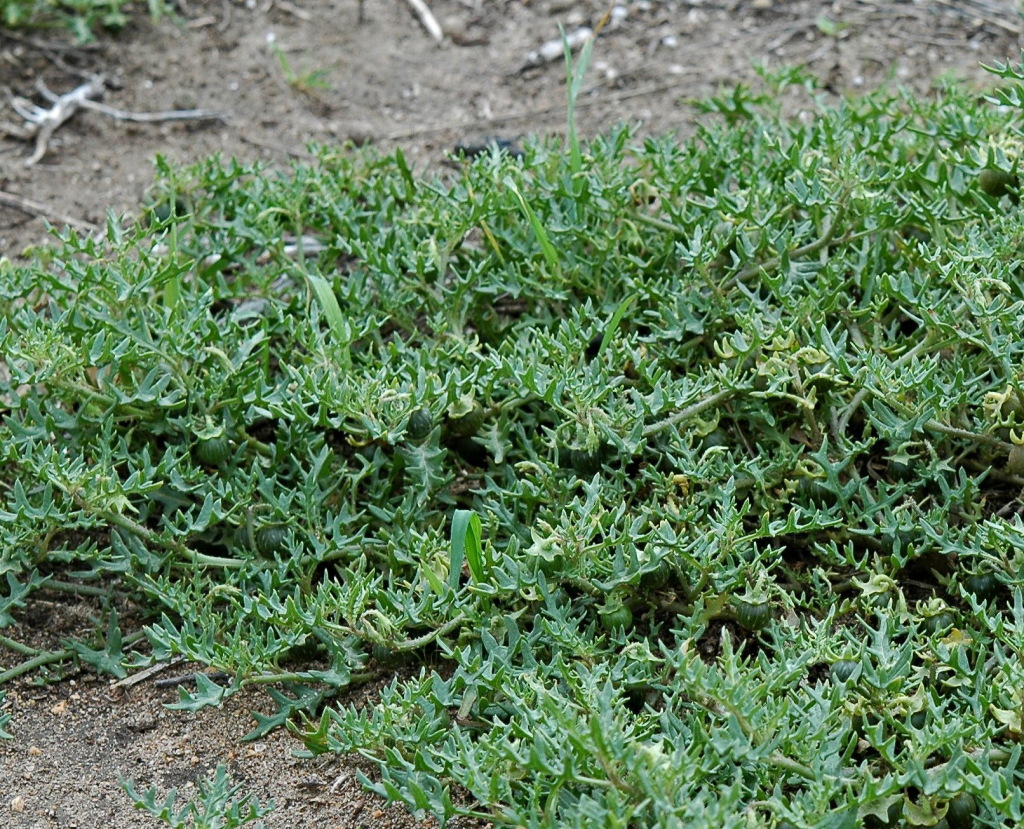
383, 80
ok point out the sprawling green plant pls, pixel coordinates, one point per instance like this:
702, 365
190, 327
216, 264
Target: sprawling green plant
4, 720
215, 806
674, 483
82, 17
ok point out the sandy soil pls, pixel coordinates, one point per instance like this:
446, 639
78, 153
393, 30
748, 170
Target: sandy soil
383, 80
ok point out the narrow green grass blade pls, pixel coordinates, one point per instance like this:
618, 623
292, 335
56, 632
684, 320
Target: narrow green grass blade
335, 318
172, 292
613, 323
548, 249
406, 172
574, 83
575, 156
460, 522
466, 546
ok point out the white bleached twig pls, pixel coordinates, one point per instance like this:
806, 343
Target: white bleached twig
151, 117
427, 19
40, 123
34, 208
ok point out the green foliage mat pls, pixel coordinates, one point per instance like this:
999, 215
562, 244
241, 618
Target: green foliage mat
83, 17
678, 483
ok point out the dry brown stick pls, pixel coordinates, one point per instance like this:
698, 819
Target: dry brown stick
190, 679
583, 102
293, 10
276, 147
55, 58
787, 35
53, 51
35, 208
146, 673
981, 11
888, 14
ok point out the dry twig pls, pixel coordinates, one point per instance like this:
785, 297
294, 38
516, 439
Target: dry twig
190, 679
41, 123
152, 117
145, 673
996, 15
427, 19
293, 10
34, 208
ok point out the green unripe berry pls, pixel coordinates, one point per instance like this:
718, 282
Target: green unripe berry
962, 810
844, 669
270, 539
753, 616
614, 617
983, 586
420, 425
1015, 461
468, 424
585, 464
995, 183
939, 623
214, 451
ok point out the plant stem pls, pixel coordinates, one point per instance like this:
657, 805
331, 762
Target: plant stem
123, 522
780, 761
45, 658
133, 527
78, 589
427, 638
659, 224
300, 676
18, 647
827, 238
862, 395
488, 817
964, 434
793, 767
688, 412
928, 343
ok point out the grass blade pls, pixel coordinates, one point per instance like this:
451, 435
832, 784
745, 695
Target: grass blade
335, 318
466, 546
548, 249
613, 323
574, 83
